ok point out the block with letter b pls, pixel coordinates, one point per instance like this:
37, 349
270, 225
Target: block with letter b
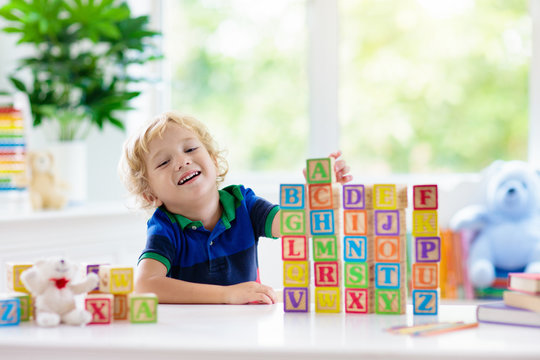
295, 273
115, 279
293, 222
425, 302
320, 171
428, 249
296, 299
101, 307
425, 197
143, 308
294, 247
292, 196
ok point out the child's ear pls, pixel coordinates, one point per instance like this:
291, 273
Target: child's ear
148, 196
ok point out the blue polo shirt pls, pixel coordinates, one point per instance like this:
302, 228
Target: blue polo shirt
226, 255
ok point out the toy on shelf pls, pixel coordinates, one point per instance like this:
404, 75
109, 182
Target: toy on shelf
507, 228
47, 190
51, 283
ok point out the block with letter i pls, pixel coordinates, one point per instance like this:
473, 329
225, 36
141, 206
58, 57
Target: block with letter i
143, 308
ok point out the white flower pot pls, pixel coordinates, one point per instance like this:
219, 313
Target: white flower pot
71, 167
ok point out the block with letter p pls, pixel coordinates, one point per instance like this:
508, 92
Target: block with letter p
428, 249
115, 279
292, 196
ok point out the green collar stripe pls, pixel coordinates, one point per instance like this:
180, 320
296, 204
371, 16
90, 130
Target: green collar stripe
269, 221
162, 259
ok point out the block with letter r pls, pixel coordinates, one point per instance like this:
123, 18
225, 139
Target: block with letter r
425, 302
296, 299
292, 196
293, 222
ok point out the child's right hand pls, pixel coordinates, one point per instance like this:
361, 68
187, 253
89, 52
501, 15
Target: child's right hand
249, 292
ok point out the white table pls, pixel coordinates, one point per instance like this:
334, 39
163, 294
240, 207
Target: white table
266, 332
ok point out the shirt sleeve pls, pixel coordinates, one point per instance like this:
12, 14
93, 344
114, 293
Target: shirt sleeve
261, 212
160, 240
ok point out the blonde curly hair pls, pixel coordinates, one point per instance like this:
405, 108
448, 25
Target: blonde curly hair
132, 167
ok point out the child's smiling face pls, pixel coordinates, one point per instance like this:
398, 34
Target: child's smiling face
179, 169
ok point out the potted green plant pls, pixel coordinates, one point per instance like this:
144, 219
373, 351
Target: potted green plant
77, 78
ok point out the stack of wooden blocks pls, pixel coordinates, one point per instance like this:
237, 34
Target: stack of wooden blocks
427, 250
113, 299
355, 230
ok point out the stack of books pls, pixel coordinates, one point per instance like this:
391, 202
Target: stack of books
520, 305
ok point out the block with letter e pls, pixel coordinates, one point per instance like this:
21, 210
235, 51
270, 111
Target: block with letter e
143, 308
293, 222
425, 197
320, 171
296, 299
425, 302
292, 196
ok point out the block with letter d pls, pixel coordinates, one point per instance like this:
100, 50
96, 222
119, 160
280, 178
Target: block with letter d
296, 299
293, 222
354, 197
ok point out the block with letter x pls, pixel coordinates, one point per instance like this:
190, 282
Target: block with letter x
101, 308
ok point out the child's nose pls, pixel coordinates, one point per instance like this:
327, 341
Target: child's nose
183, 161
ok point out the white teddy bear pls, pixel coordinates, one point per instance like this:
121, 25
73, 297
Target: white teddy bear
51, 283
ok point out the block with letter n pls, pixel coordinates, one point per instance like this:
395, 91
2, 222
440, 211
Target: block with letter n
357, 249
296, 299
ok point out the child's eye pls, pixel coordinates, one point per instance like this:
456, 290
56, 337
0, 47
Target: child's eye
191, 149
163, 163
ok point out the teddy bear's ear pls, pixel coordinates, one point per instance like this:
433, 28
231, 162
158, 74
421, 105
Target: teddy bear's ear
40, 263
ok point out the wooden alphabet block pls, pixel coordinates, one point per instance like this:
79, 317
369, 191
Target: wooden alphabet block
390, 249
425, 223
425, 197
324, 222
327, 300
293, 222
14, 271
91, 268
294, 247
10, 311
356, 222
425, 302
389, 222
324, 196
296, 299
384, 197
425, 276
327, 273
320, 171
428, 249
356, 301
25, 302
295, 273
354, 197
388, 276
101, 308
356, 275
143, 308
357, 248
388, 301
325, 248
121, 307
115, 279
292, 196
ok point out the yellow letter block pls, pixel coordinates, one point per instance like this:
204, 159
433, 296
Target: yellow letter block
425, 223
296, 273
115, 279
14, 272
327, 299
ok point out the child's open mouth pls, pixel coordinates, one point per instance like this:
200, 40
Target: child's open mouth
189, 176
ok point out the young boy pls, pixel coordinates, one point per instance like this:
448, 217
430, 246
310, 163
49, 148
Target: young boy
201, 242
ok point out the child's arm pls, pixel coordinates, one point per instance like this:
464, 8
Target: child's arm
151, 277
342, 176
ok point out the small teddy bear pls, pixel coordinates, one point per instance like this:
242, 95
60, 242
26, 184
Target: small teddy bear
507, 226
51, 283
47, 191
